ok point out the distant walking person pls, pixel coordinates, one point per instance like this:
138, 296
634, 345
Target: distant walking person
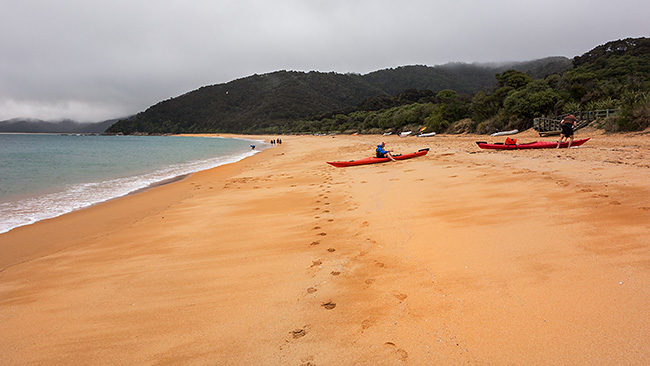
568, 124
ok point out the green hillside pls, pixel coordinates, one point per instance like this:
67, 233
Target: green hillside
448, 98
270, 102
614, 76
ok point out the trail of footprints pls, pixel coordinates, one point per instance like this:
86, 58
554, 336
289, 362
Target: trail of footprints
323, 217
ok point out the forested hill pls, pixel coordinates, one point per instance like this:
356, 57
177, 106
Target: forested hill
258, 102
65, 126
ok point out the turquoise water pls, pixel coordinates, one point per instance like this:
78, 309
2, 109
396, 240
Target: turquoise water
43, 176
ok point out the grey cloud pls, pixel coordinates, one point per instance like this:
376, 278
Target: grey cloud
91, 60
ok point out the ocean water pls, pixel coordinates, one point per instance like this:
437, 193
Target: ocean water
44, 176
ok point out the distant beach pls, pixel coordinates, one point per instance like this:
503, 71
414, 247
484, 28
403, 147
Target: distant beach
461, 256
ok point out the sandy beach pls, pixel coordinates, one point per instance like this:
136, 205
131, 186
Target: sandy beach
463, 256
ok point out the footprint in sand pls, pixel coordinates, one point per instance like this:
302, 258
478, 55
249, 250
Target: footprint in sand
335, 273
329, 305
367, 323
311, 290
402, 354
316, 263
298, 333
307, 361
315, 242
400, 296
331, 250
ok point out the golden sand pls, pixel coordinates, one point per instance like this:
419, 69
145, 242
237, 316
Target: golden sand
463, 256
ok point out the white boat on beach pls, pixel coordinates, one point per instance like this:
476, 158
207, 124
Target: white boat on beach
426, 134
503, 133
405, 133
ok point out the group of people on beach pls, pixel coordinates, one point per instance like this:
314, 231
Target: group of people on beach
276, 141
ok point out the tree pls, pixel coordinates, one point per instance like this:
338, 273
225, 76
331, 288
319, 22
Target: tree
537, 98
513, 78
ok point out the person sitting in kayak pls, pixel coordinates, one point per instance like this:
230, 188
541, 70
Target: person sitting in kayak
568, 124
382, 153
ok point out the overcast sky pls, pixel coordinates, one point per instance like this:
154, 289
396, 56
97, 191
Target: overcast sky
92, 60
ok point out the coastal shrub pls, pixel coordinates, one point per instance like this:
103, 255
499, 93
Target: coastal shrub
488, 126
571, 107
463, 126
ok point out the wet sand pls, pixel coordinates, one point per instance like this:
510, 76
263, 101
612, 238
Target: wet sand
461, 256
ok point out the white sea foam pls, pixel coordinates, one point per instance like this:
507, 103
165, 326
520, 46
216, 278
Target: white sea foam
81, 195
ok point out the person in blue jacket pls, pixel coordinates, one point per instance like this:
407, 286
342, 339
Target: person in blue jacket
382, 153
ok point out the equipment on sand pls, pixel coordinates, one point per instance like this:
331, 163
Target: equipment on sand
503, 133
529, 145
374, 160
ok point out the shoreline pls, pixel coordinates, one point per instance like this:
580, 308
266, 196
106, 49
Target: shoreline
462, 255
104, 196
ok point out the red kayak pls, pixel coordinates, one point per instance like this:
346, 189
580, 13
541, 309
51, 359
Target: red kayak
373, 160
530, 145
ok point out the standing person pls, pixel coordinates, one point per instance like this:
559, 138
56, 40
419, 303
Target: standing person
382, 153
568, 124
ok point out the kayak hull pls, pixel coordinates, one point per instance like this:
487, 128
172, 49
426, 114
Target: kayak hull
374, 160
530, 145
